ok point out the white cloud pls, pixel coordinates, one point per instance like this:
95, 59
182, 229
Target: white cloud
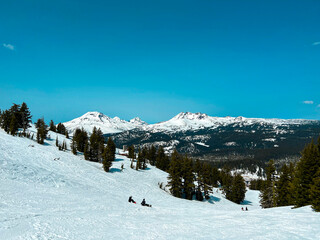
308, 102
316, 43
8, 46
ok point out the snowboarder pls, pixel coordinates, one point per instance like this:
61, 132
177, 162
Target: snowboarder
242, 208
246, 209
143, 203
131, 200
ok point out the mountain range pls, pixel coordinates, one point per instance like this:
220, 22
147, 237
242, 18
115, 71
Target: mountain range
207, 137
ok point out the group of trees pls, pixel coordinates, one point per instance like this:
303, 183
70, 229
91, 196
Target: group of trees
297, 185
60, 128
188, 179
93, 147
156, 157
15, 118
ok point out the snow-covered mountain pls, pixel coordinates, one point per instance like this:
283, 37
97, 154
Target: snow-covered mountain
186, 121
107, 125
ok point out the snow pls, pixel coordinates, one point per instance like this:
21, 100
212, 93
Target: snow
70, 198
202, 144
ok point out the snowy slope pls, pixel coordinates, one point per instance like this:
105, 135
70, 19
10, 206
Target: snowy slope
107, 125
70, 198
194, 121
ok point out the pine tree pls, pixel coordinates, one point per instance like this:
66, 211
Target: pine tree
139, 160
305, 172
162, 161
188, 178
315, 192
41, 130
268, 193
283, 187
13, 125
52, 127
80, 138
138, 163
6, 120
198, 178
109, 155
67, 134
226, 182
206, 180
25, 117
152, 155
131, 152
73, 147
238, 189
57, 142
174, 178
86, 151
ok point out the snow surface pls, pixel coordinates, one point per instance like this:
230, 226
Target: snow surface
70, 198
184, 121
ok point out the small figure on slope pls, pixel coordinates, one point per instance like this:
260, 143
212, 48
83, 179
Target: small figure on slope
131, 200
143, 203
246, 209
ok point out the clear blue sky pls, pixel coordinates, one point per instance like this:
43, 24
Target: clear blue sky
154, 59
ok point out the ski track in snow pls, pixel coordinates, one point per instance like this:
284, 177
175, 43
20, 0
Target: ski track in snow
70, 198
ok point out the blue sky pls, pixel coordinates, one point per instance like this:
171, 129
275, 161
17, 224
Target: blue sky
154, 59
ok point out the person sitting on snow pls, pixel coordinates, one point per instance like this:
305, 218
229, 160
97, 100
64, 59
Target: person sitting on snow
143, 203
131, 200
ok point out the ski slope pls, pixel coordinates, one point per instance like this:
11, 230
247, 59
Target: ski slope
70, 198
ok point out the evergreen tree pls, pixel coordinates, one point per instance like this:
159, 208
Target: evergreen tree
57, 142
174, 178
13, 125
283, 187
6, 120
61, 129
67, 134
162, 161
138, 164
315, 192
206, 180
86, 151
198, 178
80, 138
25, 117
268, 193
52, 127
226, 182
41, 130
214, 177
152, 155
109, 155
238, 189
305, 172
188, 178
131, 154
73, 147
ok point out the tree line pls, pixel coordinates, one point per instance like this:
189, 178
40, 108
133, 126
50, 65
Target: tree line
295, 184
189, 179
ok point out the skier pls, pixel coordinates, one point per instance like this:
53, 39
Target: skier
246, 209
131, 200
242, 208
143, 203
